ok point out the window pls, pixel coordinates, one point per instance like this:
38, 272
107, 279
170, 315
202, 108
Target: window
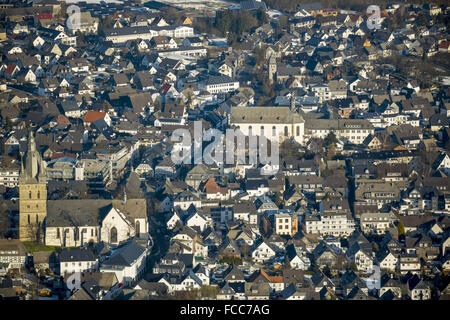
298, 131
113, 235
138, 228
29, 194
286, 131
250, 130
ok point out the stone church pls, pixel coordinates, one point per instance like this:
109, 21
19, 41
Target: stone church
73, 223
276, 123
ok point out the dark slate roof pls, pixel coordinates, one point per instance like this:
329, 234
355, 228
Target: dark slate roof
103, 128
219, 80
67, 213
253, 5
125, 255
69, 105
77, 254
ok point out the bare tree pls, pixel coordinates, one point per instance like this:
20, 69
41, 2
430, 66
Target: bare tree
33, 232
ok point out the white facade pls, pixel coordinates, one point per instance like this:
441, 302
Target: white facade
263, 253
409, 264
116, 227
9, 177
145, 33
348, 130
77, 266
283, 224
363, 261
222, 87
389, 263
338, 225
198, 221
71, 236
128, 275
274, 123
374, 223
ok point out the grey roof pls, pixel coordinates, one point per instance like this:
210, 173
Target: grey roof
69, 105
77, 254
275, 115
310, 6
125, 255
126, 31
253, 5
68, 213
219, 80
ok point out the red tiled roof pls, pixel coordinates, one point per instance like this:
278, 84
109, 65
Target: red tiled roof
92, 116
10, 69
61, 119
354, 17
61, 155
165, 88
211, 187
272, 279
44, 16
444, 44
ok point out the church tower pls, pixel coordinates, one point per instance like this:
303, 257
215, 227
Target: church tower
292, 104
272, 66
32, 194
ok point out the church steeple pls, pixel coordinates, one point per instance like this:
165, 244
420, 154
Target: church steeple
32, 194
292, 107
22, 169
33, 168
31, 142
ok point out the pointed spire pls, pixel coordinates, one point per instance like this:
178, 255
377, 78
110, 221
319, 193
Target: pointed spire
42, 173
22, 169
31, 142
292, 101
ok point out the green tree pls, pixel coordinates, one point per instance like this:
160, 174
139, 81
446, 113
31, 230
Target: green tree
157, 105
223, 21
261, 15
278, 199
259, 56
330, 139
80, 37
268, 89
8, 124
325, 172
283, 21
401, 228
331, 151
